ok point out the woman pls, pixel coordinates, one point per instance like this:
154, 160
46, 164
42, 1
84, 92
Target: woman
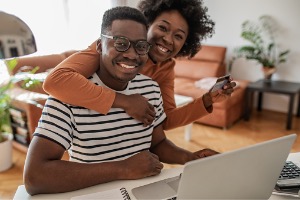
176, 28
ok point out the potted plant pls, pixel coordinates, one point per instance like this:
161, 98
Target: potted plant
5, 130
262, 45
5, 127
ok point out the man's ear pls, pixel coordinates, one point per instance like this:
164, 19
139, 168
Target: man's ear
99, 46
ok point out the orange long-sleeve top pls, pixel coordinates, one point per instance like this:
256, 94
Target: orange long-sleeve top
68, 82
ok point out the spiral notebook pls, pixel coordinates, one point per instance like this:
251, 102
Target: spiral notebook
117, 193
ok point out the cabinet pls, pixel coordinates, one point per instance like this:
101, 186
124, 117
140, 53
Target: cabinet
26, 109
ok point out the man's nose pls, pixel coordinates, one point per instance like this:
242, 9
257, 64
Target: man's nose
131, 53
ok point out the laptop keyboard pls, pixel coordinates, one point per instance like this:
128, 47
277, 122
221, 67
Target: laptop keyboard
290, 171
289, 176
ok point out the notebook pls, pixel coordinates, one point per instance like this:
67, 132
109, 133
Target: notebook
247, 173
117, 193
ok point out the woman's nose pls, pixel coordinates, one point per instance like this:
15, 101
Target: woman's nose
168, 38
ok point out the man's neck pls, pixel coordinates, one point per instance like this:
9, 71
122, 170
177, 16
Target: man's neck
111, 82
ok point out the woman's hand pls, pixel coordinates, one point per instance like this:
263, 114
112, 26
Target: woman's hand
219, 95
136, 106
224, 93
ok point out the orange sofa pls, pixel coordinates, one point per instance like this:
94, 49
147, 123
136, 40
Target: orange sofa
209, 62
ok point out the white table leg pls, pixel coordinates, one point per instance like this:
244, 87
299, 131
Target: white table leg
188, 132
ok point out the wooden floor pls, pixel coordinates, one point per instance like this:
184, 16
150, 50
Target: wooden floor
261, 127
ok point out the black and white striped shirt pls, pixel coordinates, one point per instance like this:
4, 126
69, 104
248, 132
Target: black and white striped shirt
92, 137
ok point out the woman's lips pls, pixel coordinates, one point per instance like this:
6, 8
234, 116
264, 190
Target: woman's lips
163, 49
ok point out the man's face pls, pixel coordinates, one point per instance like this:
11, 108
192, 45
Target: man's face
117, 68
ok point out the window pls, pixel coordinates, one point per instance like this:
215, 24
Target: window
60, 25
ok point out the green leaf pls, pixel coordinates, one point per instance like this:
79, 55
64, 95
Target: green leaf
284, 53
11, 64
282, 60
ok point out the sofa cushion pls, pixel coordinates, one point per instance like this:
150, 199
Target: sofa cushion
186, 87
211, 53
195, 69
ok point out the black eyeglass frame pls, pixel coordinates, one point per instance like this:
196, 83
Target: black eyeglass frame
129, 42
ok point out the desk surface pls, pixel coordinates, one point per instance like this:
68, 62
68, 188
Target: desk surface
22, 194
275, 86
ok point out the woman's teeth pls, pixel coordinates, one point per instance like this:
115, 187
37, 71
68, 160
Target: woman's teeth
127, 66
165, 50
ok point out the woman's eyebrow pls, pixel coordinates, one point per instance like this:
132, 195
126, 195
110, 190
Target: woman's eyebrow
170, 24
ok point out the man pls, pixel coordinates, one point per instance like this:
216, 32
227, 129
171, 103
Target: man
108, 147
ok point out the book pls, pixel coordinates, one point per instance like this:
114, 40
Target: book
17, 113
22, 131
18, 121
21, 139
117, 193
286, 192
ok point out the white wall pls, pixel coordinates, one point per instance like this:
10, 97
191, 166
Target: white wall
229, 15
60, 25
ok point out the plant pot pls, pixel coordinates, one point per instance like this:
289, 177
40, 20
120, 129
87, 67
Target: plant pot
268, 73
6, 152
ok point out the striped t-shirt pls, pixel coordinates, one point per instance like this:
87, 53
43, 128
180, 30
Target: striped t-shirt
93, 137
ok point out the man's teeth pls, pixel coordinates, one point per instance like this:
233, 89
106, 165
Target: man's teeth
127, 66
165, 50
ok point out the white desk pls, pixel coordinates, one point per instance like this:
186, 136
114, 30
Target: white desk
22, 194
181, 100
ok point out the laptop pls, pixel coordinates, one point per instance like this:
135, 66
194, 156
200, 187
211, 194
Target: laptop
247, 173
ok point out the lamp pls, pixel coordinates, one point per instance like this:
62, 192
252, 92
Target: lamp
16, 38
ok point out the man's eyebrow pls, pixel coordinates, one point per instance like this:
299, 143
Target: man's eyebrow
170, 24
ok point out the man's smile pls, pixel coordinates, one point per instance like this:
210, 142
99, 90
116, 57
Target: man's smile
128, 66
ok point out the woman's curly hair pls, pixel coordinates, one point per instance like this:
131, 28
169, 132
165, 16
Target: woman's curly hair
195, 13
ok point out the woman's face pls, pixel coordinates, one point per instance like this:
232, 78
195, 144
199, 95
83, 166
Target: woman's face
167, 34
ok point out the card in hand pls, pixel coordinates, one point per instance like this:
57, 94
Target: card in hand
221, 81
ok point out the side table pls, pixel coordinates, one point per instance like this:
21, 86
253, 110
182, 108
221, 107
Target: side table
181, 100
280, 87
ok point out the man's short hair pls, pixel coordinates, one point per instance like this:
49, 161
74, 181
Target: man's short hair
121, 13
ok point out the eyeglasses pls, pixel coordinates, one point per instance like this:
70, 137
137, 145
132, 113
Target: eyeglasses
122, 44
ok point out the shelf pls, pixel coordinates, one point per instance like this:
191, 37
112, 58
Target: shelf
20, 146
19, 129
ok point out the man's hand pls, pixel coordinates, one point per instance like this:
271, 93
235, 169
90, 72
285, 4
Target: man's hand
137, 107
142, 165
204, 153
